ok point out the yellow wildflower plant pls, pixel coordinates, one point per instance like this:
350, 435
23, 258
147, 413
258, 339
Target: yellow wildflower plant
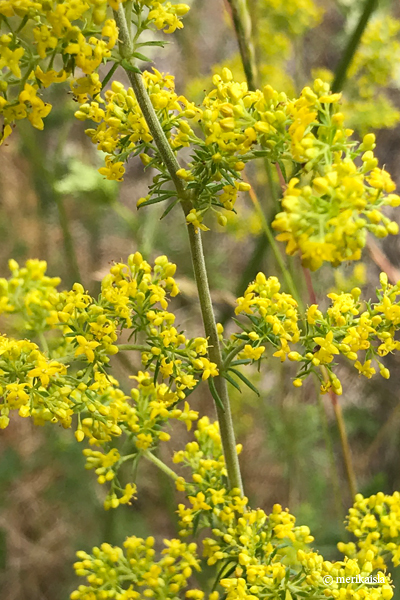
73, 34
361, 334
327, 209
254, 554
375, 522
330, 202
333, 194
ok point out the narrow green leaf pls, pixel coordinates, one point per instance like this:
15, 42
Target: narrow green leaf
128, 67
155, 43
151, 201
109, 75
169, 208
232, 381
241, 361
141, 57
282, 167
215, 394
245, 380
187, 392
222, 572
156, 371
241, 325
196, 523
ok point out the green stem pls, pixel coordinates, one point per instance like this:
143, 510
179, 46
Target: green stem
329, 448
200, 271
352, 45
351, 477
242, 23
271, 183
223, 411
68, 240
160, 465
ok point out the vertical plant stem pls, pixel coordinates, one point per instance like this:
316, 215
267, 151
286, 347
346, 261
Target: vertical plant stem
224, 412
352, 45
351, 477
68, 240
329, 448
200, 271
310, 287
242, 23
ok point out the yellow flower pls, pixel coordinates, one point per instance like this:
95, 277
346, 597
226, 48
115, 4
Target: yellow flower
327, 348
252, 353
16, 394
44, 370
195, 218
113, 170
365, 369
50, 76
86, 347
38, 109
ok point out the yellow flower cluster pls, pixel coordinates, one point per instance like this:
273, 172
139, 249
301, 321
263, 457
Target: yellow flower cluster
30, 293
32, 384
135, 572
361, 335
130, 299
266, 553
46, 386
79, 32
133, 291
258, 555
53, 28
327, 218
47, 390
142, 420
276, 317
255, 554
165, 15
207, 496
375, 522
337, 190
122, 129
329, 208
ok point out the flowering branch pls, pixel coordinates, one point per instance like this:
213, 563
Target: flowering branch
199, 266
